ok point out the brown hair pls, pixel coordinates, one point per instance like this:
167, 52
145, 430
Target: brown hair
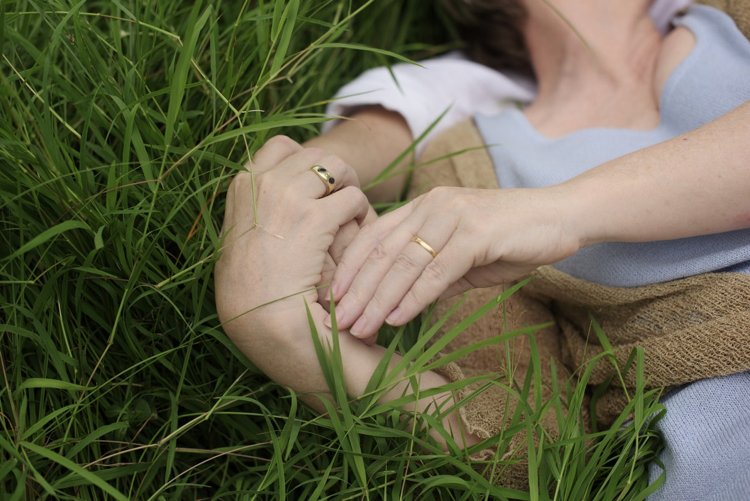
492, 32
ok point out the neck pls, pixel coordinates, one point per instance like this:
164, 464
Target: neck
592, 58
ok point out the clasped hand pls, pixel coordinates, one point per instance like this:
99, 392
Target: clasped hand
481, 238
282, 234
285, 236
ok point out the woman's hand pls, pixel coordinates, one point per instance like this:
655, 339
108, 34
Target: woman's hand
480, 238
279, 226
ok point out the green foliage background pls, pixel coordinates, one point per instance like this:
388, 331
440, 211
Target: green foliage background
121, 122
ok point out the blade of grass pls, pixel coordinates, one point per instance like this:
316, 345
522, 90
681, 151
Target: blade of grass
73, 467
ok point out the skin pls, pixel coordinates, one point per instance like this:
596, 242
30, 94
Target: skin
370, 140
270, 254
694, 184
659, 193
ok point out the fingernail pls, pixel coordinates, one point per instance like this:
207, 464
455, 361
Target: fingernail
340, 316
341, 310
393, 317
327, 321
336, 288
358, 327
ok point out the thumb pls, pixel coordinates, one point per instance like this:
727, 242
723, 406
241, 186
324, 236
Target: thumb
458, 287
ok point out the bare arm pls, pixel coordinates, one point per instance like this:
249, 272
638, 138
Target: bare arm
695, 184
271, 264
279, 342
370, 140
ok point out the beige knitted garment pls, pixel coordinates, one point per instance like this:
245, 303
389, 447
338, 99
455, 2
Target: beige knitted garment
690, 329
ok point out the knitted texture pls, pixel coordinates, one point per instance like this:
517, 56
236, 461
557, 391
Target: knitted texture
690, 329
459, 158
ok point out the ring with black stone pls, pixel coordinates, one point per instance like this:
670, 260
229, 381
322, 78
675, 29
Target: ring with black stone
328, 180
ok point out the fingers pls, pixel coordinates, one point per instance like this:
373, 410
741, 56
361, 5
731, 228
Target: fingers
343, 206
402, 272
367, 240
284, 164
335, 175
452, 263
273, 152
324, 294
341, 241
458, 287
238, 211
364, 264
372, 216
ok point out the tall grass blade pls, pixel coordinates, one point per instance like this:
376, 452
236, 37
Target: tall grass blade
179, 78
73, 467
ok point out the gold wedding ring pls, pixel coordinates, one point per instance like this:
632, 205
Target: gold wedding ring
424, 245
328, 180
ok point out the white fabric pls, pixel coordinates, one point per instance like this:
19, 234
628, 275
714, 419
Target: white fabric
420, 93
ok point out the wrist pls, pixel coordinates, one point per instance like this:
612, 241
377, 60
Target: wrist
286, 316
579, 213
265, 335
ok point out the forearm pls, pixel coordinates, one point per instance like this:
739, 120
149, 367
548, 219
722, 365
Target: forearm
282, 346
273, 260
695, 184
369, 141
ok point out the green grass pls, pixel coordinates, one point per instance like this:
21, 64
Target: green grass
121, 123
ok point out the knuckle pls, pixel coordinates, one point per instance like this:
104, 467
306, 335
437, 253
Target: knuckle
368, 236
271, 153
283, 142
240, 183
342, 265
435, 271
315, 152
439, 193
421, 199
343, 172
348, 174
331, 160
461, 202
367, 233
362, 197
349, 194
375, 307
379, 252
413, 298
354, 297
355, 196
404, 262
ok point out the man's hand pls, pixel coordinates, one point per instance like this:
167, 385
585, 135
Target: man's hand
278, 229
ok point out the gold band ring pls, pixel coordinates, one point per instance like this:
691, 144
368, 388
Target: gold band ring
328, 180
424, 245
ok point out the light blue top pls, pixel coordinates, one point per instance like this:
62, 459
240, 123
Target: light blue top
711, 81
707, 426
